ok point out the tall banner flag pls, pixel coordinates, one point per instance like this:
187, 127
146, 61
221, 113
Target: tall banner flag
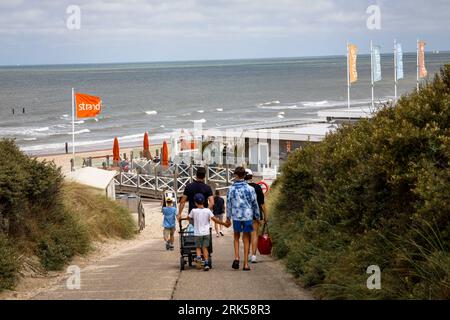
422, 69
353, 55
83, 106
87, 106
399, 61
375, 67
398, 66
352, 73
376, 63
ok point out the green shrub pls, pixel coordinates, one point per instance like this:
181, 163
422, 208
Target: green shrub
9, 264
58, 243
42, 216
375, 193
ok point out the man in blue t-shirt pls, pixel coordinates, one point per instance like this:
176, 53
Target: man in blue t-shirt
169, 213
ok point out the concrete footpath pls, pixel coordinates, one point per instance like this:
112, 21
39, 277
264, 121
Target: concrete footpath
148, 271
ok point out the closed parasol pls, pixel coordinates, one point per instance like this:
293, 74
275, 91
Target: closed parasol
165, 155
147, 153
116, 153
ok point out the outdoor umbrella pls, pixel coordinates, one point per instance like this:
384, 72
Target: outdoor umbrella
116, 153
165, 155
147, 153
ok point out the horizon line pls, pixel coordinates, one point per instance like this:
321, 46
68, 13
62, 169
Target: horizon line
199, 60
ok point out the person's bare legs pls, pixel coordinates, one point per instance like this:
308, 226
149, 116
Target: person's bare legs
255, 234
237, 236
205, 253
216, 225
171, 239
246, 239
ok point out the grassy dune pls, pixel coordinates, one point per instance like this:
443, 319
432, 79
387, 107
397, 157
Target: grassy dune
42, 216
376, 193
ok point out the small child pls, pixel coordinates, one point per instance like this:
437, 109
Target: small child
169, 213
202, 224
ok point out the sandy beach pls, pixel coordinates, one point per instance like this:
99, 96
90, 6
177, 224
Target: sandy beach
63, 160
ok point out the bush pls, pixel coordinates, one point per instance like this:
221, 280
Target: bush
377, 192
42, 216
58, 243
9, 264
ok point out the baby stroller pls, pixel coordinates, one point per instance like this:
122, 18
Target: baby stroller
188, 247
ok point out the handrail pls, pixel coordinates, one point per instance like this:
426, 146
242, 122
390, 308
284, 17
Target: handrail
174, 178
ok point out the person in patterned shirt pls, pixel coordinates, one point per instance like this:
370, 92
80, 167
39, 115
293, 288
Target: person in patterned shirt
241, 208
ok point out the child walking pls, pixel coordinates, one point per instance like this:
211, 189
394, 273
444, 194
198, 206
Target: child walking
202, 223
169, 213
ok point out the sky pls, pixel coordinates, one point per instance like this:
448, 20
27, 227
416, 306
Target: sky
36, 32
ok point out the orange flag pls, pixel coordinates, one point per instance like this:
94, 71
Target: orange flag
352, 56
87, 106
422, 69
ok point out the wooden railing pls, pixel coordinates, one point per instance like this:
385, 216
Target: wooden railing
150, 180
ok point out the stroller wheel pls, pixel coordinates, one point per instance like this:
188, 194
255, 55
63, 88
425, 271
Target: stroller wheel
190, 260
210, 262
182, 263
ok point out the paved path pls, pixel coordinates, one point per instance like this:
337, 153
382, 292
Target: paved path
148, 271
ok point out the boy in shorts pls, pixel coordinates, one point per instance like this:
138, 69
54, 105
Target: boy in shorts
202, 223
169, 213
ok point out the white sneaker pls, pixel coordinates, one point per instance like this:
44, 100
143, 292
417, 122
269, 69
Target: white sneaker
254, 259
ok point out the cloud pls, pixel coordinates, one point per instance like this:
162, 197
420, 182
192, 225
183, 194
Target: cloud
224, 23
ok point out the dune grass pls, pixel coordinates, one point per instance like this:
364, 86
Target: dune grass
42, 215
374, 193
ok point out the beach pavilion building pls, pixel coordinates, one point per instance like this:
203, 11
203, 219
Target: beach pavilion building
263, 147
99, 179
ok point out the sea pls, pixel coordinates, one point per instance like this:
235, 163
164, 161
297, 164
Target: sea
162, 97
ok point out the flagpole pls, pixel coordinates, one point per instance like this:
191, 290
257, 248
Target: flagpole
73, 125
348, 77
371, 73
417, 65
395, 71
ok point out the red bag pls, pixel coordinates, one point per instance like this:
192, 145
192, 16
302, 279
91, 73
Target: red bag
264, 242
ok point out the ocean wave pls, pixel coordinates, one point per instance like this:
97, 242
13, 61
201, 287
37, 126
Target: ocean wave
312, 104
199, 121
80, 131
279, 107
20, 131
92, 144
219, 109
341, 103
270, 103
151, 112
200, 111
41, 129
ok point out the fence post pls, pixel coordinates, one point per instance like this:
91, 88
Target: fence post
207, 174
175, 180
227, 175
156, 181
107, 160
138, 182
72, 165
191, 173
